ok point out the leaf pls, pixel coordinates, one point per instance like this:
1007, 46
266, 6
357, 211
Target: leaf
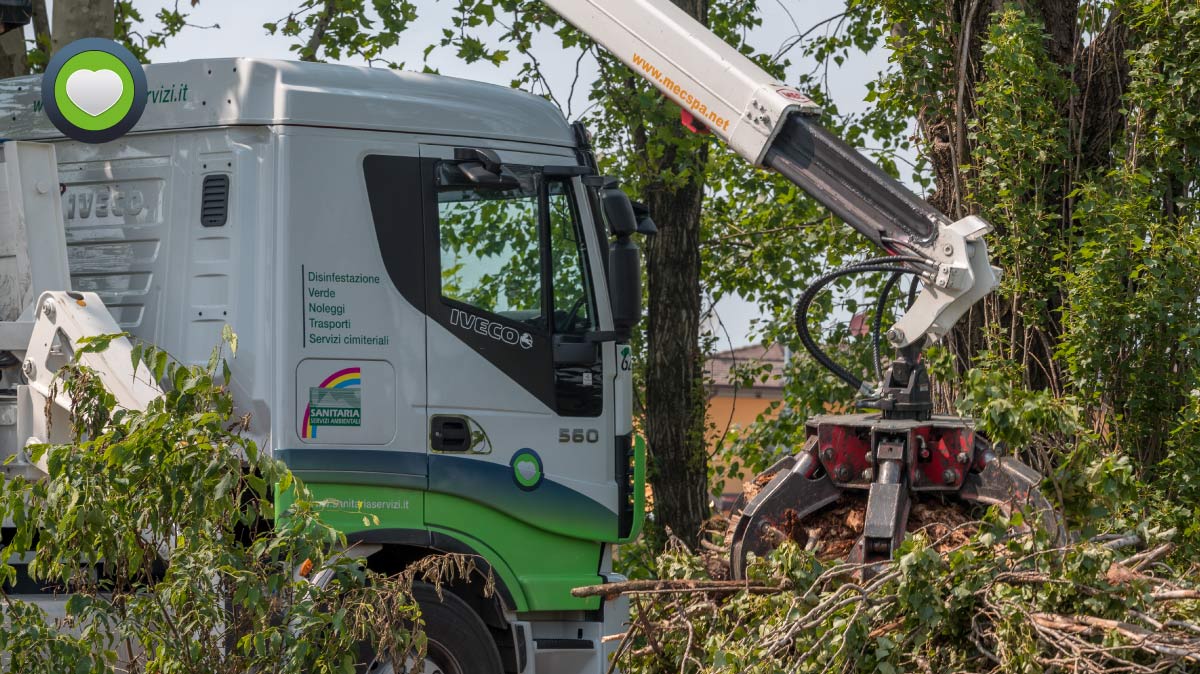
230, 338
161, 358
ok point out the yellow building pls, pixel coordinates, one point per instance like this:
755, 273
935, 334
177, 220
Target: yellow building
731, 406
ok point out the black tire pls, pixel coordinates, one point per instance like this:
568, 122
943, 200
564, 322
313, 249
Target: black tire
458, 641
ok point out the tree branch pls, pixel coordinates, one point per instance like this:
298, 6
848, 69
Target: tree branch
309, 53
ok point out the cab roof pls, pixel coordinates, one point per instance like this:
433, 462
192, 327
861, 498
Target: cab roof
243, 91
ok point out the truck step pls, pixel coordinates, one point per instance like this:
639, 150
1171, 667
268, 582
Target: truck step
564, 644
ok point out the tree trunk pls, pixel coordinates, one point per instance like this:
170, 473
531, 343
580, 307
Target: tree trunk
675, 396
12, 54
41, 23
76, 19
1099, 72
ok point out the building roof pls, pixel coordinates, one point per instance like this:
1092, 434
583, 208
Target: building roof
721, 365
220, 92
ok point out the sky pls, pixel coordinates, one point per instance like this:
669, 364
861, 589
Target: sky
241, 33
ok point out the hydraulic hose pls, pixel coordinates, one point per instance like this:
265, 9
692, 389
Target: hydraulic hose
810, 294
877, 326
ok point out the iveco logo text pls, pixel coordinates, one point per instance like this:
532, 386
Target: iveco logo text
82, 203
498, 332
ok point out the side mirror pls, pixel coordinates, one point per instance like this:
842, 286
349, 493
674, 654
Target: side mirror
645, 225
14, 14
625, 218
618, 210
625, 285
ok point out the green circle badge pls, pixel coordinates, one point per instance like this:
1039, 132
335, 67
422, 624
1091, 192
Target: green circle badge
94, 90
527, 469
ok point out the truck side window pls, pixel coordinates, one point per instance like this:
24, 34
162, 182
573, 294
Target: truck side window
573, 310
490, 251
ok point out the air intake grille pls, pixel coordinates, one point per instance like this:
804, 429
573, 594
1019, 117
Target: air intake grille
214, 202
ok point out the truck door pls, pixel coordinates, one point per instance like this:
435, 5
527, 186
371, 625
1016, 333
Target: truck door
520, 400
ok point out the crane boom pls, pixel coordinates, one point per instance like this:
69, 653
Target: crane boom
774, 126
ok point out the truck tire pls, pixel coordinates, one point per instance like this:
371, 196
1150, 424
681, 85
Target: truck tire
457, 640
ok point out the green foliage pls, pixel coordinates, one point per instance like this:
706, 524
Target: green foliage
1021, 148
159, 525
1013, 415
1132, 341
338, 29
131, 28
1000, 603
1181, 498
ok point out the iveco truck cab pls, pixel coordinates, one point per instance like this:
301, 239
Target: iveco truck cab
432, 310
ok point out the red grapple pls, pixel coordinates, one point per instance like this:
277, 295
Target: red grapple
942, 449
890, 459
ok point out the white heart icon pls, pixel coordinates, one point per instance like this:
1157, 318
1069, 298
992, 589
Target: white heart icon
94, 91
527, 469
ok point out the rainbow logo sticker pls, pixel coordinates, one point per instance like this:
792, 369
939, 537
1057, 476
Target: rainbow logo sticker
336, 402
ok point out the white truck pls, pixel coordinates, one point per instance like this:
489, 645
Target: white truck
434, 290
376, 240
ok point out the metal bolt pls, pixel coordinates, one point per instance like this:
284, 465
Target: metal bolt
948, 250
843, 473
895, 335
868, 475
48, 310
950, 476
29, 369
963, 458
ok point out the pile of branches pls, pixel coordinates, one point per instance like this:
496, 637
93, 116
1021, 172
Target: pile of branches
998, 602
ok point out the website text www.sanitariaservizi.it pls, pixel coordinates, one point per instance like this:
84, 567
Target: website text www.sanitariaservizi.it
697, 107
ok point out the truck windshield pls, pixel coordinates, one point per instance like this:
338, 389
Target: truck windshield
500, 255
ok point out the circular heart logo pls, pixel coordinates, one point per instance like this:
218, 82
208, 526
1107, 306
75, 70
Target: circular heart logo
527, 469
94, 90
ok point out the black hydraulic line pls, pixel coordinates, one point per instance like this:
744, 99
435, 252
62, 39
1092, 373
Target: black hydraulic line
810, 293
878, 322
893, 259
877, 327
852, 186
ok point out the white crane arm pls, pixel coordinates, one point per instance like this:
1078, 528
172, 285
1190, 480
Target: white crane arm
710, 80
774, 126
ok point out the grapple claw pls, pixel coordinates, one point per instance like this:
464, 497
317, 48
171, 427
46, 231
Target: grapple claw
1011, 485
800, 487
892, 460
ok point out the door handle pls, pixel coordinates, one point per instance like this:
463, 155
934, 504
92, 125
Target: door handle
449, 434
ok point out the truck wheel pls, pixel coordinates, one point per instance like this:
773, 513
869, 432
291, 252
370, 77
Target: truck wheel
457, 640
